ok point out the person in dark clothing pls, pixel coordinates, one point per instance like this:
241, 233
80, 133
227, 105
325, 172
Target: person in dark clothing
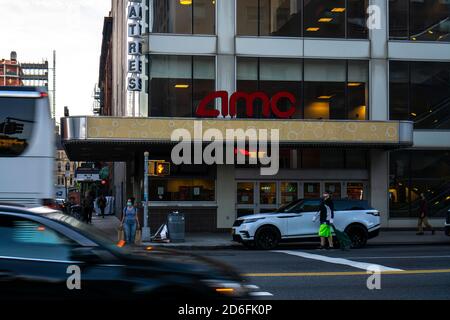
423, 216
88, 207
101, 203
326, 216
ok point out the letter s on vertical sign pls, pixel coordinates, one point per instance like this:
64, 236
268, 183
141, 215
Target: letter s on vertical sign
274, 104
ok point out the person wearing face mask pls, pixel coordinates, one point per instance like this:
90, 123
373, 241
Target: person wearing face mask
130, 222
326, 215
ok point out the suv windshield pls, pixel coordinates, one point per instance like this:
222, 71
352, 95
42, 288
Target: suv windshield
312, 205
16, 125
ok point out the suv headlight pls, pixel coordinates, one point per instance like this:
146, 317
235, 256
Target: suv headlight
252, 220
227, 288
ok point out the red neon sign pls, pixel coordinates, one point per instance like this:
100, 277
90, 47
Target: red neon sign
229, 106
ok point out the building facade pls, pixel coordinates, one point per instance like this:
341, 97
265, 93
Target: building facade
370, 82
11, 72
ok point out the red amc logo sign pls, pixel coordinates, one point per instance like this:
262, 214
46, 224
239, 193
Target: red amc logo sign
269, 105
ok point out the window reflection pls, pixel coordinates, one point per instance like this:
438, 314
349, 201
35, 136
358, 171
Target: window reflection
419, 20
416, 172
331, 89
289, 192
173, 189
308, 18
183, 17
178, 83
420, 92
324, 18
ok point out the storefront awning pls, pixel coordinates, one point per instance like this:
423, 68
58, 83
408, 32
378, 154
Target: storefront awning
112, 138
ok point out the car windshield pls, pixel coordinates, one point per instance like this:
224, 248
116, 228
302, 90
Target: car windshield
288, 207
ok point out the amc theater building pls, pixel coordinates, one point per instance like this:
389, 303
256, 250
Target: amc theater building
372, 105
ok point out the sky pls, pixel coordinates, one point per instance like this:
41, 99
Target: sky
34, 28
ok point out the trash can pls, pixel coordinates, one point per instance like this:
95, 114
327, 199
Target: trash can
176, 226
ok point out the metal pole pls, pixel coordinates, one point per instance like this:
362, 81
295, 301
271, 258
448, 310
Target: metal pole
146, 234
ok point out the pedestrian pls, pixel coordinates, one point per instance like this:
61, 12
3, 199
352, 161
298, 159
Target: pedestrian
423, 216
326, 216
130, 221
88, 207
101, 203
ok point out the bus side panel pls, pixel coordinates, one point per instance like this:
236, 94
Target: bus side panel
26, 180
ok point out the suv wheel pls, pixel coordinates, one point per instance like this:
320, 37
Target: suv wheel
358, 236
267, 238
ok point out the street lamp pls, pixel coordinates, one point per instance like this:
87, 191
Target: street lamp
67, 175
146, 234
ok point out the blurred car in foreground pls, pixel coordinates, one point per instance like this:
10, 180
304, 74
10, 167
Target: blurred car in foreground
447, 224
40, 252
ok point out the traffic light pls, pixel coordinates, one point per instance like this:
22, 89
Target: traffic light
159, 168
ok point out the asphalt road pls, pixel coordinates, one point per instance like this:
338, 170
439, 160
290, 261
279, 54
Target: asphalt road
304, 273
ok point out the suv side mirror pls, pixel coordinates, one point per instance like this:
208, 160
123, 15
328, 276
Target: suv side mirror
84, 254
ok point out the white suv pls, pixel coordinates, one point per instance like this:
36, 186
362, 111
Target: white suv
296, 222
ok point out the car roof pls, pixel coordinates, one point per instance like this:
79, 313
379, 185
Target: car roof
11, 208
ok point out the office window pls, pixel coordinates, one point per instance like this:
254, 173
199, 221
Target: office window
182, 17
173, 189
420, 92
323, 89
419, 20
297, 18
416, 172
280, 18
324, 18
177, 84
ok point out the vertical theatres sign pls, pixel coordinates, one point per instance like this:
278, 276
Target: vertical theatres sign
135, 26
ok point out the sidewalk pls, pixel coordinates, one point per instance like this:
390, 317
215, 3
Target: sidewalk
217, 241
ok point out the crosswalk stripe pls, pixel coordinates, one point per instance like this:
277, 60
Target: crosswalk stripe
340, 261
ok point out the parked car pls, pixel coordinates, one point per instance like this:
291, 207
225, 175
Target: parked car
447, 224
39, 250
294, 222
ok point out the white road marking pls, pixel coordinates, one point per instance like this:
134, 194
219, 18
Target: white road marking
402, 257
341, 261
261, 294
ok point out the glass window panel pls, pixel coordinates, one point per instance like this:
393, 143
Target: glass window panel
334, 188
247, 68
311, 190
204, 16
245, 192
357, 19
310, 158
170, 16
170, 86
280, 18
289, 192
430, 20
182, 190
398, 19
399, 90
16, 125
355, 191
281, 69
357, 90
267, 193
247, 17
204, 80
430, 95
324, 18
325, 70
331, 159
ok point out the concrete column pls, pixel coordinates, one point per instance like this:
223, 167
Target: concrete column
226, 196
379, 183
226, 62
379, 76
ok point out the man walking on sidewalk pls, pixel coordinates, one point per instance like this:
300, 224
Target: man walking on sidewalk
423, 216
